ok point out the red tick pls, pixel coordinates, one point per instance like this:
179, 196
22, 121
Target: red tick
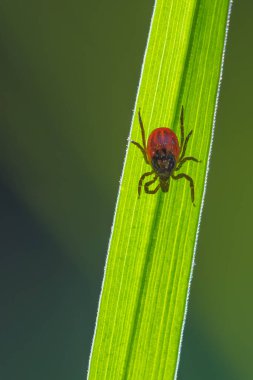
165, 156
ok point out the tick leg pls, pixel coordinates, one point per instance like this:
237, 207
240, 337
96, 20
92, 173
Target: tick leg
142, 130
141, 180
182, 126
180, 163
147, 184
188, 178
142, 150
185, 145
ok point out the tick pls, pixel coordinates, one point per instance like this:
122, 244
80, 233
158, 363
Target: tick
165, 156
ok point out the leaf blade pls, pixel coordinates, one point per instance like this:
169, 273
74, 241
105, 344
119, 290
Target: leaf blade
150, 257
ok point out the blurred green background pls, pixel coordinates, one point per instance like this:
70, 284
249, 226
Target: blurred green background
69, 75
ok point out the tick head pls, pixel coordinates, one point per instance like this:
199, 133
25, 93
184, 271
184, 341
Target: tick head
164, 183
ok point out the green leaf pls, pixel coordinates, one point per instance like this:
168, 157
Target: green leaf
151, 251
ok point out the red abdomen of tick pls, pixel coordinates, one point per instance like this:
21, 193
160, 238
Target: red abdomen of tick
162, 139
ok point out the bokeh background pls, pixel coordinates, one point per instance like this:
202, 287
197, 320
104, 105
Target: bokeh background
68, 78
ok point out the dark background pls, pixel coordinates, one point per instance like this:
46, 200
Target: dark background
68, 78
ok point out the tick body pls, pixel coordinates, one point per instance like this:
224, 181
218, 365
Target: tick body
165, 156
